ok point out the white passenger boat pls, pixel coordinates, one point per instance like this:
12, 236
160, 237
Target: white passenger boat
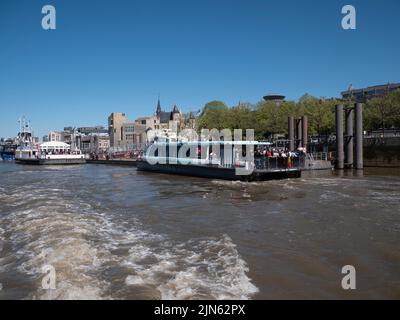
49, 153
217, 160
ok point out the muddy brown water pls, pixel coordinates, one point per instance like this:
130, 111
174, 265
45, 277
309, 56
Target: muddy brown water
113, 233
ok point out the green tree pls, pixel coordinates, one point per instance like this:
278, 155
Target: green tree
394, 103
372, 116
271, 118
216, 115
320, 113
214, 105
382, 112
242, 117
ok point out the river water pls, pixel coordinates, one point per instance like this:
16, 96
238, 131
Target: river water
113, 233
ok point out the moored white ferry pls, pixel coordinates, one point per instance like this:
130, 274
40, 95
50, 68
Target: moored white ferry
49, 153
218, 160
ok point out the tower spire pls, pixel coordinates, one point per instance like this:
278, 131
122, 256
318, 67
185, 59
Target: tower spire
158, 111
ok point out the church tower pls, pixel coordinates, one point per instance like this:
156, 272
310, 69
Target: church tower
158, 110
176, 114
175, 109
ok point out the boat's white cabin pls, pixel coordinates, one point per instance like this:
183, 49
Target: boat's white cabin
56, 147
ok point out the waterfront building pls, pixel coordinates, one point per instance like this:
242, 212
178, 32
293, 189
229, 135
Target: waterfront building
55, 136
169, 120
95, 143
69, 136
115, 128
87, 139
190, 121
133, 133
364, 94
124, 134
92, 130
161, 120
167, 123
61, 136
101, 142
149, 122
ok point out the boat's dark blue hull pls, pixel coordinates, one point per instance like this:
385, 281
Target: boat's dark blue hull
7, 154
7, 157
50, 161
213, 172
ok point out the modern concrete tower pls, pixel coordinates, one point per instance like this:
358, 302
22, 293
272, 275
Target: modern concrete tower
115, 128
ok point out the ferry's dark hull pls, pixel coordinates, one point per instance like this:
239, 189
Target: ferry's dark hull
7, 154
50, 161
217, 172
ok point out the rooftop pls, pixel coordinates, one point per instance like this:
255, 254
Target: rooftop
55, 144
389, 86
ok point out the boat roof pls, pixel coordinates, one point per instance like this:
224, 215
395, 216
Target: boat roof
55, 144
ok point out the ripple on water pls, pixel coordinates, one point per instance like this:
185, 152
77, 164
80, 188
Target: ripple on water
82, 243
204, 269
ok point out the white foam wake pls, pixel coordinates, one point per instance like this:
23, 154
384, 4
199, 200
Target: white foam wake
207, 269
81, 242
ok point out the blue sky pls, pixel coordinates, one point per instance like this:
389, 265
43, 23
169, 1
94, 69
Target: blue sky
116, 55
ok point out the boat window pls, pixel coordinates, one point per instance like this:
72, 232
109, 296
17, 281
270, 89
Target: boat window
244, 147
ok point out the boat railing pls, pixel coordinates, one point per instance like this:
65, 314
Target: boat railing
279, 163
321, 156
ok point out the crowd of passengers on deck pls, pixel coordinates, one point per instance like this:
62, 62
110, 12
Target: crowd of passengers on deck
58, 152
278, 153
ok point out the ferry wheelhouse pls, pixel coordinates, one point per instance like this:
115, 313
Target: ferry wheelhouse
54, 152
228, 160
